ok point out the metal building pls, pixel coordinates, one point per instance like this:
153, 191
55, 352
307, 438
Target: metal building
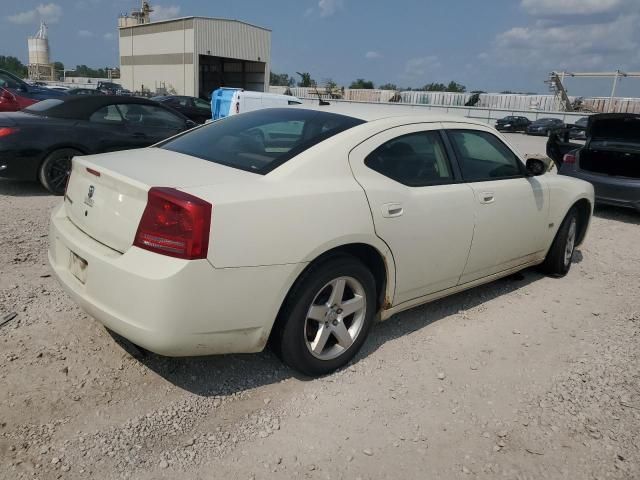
194, 56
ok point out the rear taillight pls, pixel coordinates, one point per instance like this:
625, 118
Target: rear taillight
6, 131
569, 158
175, 223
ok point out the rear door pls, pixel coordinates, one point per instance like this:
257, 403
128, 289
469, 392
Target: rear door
511, 208
419, 206
149, 124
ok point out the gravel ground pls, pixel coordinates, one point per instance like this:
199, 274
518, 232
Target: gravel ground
525, 378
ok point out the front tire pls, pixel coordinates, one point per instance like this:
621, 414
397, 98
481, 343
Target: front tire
327, 316
558, 260
55, 170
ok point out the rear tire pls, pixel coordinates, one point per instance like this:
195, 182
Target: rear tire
558, 260
321, 329
55, 170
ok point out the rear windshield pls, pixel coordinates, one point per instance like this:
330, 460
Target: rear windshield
262, 140
43, 106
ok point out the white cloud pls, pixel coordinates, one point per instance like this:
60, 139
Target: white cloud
161, 12
330, 7
50, 13
372, 55
417, 68
577, 46
571, 7
108, 36
85, 34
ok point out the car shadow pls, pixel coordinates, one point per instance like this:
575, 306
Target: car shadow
18, 188
228, 374
618, 214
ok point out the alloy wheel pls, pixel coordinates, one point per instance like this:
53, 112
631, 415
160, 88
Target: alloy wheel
335, 318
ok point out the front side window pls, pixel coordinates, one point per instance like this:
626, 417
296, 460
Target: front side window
416, 160
202, 104
261, 140
482, 156
150, 116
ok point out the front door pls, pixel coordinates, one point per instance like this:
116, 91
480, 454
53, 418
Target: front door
511, 207
419, 206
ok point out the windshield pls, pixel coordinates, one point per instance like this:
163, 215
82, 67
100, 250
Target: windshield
262, 140
43, 106
544, 121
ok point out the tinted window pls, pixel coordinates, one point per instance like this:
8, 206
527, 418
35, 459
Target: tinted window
482, 156
202, 104
108, 114
9, 82
416, 160
261, 140
150, 116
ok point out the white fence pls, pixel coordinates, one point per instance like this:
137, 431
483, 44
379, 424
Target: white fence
519, 104
486, 115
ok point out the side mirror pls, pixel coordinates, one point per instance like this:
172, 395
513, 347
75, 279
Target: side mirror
536, 167
191, 124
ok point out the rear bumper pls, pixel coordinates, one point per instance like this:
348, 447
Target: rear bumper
170, 306
609, 190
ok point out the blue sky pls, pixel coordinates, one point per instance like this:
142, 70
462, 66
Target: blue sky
491, 45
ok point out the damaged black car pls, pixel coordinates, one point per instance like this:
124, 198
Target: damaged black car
609, 159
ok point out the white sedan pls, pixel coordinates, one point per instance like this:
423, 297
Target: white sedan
300, 227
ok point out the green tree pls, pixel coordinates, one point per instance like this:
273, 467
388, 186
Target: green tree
305, 79
389, 86
281, 80
362, 83
13, 65
456, 87
58, 70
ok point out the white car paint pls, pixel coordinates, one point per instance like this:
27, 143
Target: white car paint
267, 229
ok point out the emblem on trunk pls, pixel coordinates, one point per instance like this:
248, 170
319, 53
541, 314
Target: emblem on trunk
88, 200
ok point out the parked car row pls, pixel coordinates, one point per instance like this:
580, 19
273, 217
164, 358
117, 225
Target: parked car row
541, 126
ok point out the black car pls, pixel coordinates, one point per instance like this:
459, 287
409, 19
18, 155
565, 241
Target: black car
544, 126
109, 88
12, 83
191, 107
610, 158
85, 91
38, 142
513, 124
578, 130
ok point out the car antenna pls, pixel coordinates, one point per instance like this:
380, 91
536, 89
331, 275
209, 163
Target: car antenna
321, 101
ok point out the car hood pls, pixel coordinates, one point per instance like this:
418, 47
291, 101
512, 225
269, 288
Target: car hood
614, 126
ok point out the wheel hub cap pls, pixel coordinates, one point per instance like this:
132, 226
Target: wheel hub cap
335, 318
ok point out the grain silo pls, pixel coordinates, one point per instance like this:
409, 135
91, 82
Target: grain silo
40, 67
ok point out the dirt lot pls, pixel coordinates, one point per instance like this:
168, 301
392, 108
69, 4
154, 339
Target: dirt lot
525, 378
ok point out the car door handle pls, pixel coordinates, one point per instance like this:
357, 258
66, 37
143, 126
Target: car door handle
487, 197
390, 210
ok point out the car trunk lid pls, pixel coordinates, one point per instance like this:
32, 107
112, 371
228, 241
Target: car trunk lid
107, 194
620, 127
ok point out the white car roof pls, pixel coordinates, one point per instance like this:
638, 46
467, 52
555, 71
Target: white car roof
372, 112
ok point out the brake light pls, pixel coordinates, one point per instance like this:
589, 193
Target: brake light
175, 224
569, 158
6, 131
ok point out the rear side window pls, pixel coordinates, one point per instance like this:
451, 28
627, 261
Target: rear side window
416, 160
261, 140
483, 156
150, 116
108, 115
